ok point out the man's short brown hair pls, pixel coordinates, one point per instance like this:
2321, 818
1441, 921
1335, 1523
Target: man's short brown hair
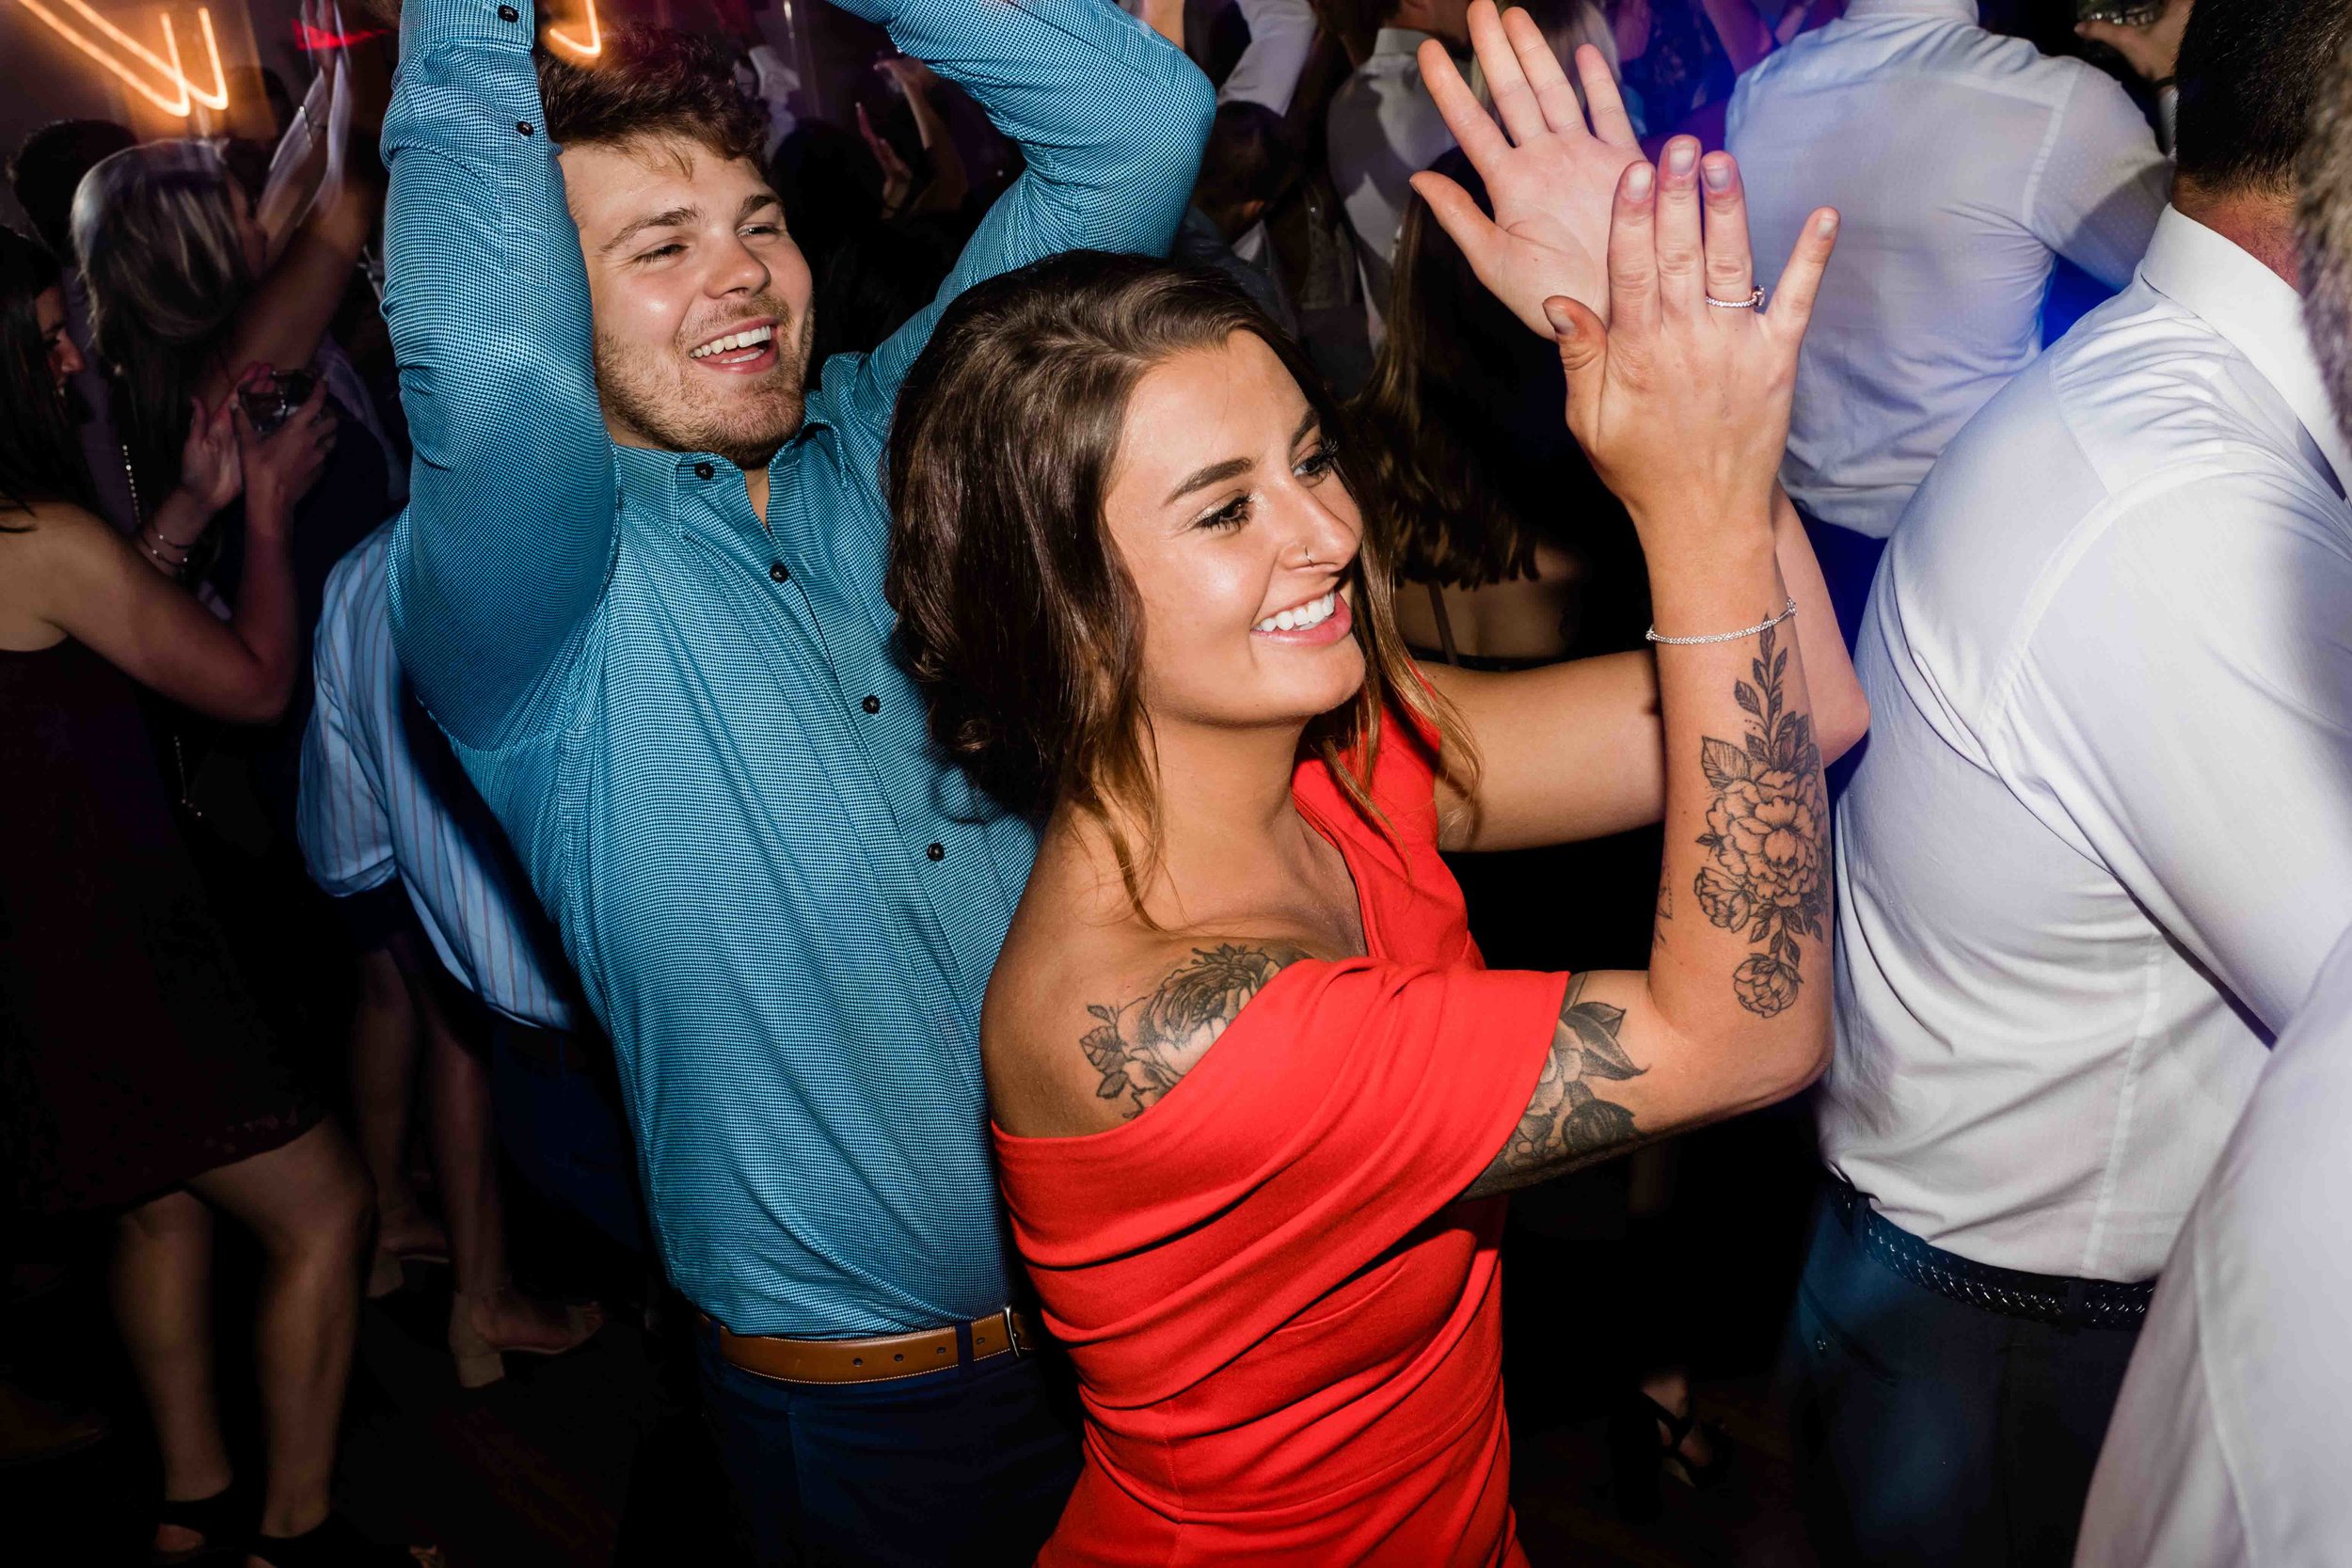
2323, 226
649, 83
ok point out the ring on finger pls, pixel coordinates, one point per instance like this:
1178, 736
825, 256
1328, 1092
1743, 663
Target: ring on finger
1754, 302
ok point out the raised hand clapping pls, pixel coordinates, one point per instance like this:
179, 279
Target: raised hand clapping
1552, 176
1681, 398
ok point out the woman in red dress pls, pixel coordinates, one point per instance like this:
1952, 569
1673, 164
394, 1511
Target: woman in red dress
1254, 1092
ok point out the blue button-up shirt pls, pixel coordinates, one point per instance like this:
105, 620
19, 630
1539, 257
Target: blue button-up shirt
781, 905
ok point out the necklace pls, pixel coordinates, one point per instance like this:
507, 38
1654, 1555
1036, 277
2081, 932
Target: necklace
138, 513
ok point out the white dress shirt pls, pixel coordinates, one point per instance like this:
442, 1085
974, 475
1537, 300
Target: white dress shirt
2101, 837
1281, 36
1382, 129
2229, 1447
1961, 160
381, 796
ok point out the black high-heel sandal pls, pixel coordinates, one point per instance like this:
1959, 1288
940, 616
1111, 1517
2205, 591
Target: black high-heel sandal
334, 1542
1637, 1457
224, 1520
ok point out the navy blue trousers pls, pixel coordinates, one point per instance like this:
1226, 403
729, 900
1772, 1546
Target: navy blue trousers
963, 1468
1934, 1434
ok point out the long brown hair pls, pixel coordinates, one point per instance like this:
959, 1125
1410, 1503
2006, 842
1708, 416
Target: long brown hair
1016, 613
1440, 417
41, 451
156, 228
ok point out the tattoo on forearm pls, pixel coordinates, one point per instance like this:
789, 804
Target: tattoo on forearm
1567, 1121
1766, 871
1665, 898
1143, 1047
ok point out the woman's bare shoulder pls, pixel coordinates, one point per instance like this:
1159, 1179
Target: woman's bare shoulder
51, 548
56, 517
1086, 1029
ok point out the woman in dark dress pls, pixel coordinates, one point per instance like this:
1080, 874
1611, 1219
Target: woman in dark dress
140, 1076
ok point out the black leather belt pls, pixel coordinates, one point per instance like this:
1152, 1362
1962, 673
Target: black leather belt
2042, 1298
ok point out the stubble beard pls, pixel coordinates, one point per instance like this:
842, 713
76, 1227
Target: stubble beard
651, 393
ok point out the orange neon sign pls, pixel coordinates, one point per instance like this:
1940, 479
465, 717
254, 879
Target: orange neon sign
180, 93
587, 48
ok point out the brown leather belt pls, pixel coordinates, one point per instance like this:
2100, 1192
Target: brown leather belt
879, 1359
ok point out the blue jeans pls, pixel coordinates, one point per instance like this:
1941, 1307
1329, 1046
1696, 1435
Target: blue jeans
963, 1468
1934, 1434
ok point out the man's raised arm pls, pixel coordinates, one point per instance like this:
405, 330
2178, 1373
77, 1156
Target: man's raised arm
1110, 115
509, 534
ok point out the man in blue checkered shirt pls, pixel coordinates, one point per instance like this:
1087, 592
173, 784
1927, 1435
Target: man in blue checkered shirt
639, 584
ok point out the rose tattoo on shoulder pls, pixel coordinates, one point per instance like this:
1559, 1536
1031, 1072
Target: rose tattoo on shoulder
1767, 869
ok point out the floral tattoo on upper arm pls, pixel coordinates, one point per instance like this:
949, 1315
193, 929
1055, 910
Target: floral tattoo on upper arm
1144, 1048
1766, 871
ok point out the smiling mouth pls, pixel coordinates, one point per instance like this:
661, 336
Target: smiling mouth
737, 348
1300, 617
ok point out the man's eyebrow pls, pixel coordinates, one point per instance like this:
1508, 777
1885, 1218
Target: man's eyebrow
1217, 473
677, 217
754, 201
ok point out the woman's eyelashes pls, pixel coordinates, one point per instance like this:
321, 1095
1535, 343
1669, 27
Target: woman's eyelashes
1311, 467
1229, 517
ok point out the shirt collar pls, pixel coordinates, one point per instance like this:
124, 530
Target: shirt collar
2254, 309
1959, 10
1397, 40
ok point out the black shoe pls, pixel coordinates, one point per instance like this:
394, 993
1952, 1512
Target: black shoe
333, 1544
224, 1520
1637, 1456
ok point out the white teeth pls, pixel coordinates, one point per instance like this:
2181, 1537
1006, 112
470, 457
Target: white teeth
1312, 613
734, 341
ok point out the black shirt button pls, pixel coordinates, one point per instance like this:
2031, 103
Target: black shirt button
508, 13
778, 572
937, 851
704, 470
873, 704
522, 127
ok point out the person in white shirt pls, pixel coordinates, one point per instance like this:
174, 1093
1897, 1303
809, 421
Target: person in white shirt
1281, 37
1252, 159
1964, 163
2228, 1447
2100, 843
383, 811
1383, 128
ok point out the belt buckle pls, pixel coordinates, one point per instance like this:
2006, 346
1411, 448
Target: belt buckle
1012, 1334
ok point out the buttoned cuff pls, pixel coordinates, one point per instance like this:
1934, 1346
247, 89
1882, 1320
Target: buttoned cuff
426, 25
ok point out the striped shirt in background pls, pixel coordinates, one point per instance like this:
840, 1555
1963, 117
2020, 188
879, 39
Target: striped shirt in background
383, 797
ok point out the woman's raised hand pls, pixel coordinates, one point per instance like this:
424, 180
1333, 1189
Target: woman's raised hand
1549, 175
280, 468
1682, 404
212, 470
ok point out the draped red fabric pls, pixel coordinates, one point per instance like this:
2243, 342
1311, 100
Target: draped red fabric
1287, 1331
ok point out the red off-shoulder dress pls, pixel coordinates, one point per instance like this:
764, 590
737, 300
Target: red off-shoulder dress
1287, 1330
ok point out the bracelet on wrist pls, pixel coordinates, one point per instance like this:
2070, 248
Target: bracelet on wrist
1725, 636
174, 566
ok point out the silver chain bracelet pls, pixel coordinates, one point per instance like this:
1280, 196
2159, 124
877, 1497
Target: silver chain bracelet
1725, 636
